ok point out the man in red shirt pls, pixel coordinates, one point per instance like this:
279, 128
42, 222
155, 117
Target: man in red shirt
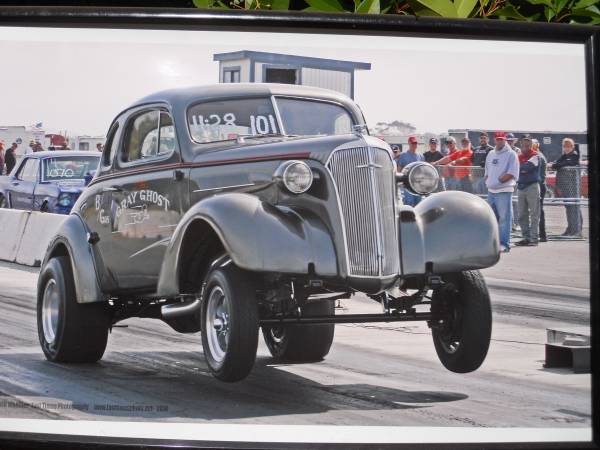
459, 178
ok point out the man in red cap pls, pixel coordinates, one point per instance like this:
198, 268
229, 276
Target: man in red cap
501, 174
406, 158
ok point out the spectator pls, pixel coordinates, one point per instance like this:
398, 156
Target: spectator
99, 147
479, 155
37, 147
405, 159
512, 141
568, 185
528, 188
1, 158
396, 150
459, 178
10, 158
433, 154
501, 173
543, 163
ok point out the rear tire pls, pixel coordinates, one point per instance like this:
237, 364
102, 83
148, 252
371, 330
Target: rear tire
229, 323
302, 343
68, 331
3, 202
464, 305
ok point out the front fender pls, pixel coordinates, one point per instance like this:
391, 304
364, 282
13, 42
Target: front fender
72, 234
452, 230
257, 236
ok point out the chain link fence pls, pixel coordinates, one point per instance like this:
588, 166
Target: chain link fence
564, 195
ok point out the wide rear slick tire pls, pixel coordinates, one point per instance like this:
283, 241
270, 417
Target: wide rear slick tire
229, 323
69, 332
463, 340
302, 343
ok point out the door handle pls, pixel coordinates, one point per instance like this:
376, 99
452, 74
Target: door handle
111, 189
178, 175
15, 183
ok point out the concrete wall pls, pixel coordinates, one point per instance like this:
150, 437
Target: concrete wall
25, 235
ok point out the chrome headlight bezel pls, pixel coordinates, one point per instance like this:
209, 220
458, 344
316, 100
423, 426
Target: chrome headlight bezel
410, 173
287, 178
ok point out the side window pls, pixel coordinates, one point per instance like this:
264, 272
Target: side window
142, 138
30, 170
167, 140
109, 149
150, 134
21, 172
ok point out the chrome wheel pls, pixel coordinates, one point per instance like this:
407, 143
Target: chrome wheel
50, 307
217, 324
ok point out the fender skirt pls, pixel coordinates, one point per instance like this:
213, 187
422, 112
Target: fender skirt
257, 236
452, 230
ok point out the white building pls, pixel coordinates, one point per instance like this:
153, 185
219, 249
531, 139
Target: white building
21, 135
85, 143
260, 67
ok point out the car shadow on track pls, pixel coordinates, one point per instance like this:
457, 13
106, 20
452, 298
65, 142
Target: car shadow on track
140, 385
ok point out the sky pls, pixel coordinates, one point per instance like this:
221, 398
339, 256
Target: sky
79, 79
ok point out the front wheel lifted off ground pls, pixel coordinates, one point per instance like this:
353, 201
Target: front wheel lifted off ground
302, 343
462, 325
68, 331
229, 323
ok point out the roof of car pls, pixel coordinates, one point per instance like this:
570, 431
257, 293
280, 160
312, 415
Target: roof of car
55, 153
187, 94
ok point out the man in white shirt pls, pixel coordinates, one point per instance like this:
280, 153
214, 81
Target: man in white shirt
501, 174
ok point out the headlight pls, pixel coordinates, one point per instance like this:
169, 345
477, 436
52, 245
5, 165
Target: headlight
420, 177
296, 176
64, 200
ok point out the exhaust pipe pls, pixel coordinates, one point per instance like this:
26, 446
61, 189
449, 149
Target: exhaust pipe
185, 308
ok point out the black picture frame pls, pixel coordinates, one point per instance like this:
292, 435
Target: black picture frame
351, 24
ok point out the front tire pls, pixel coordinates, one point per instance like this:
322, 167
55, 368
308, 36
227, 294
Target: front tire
463, 304
302, 343
68, 331
229, 323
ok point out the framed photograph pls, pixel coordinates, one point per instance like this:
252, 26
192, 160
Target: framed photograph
263, 230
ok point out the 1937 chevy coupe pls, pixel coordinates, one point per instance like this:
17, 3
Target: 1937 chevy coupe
229, 208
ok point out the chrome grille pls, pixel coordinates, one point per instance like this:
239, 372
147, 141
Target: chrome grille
365, 186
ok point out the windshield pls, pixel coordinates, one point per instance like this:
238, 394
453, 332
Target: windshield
311, 117
69, 168
228, 119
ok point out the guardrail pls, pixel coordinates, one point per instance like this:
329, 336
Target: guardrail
25, 235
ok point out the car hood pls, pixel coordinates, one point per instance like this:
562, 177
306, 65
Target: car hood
315, 147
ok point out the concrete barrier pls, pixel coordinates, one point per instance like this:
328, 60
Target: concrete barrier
39, 231
12, 227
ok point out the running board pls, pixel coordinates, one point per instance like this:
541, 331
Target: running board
346, 318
